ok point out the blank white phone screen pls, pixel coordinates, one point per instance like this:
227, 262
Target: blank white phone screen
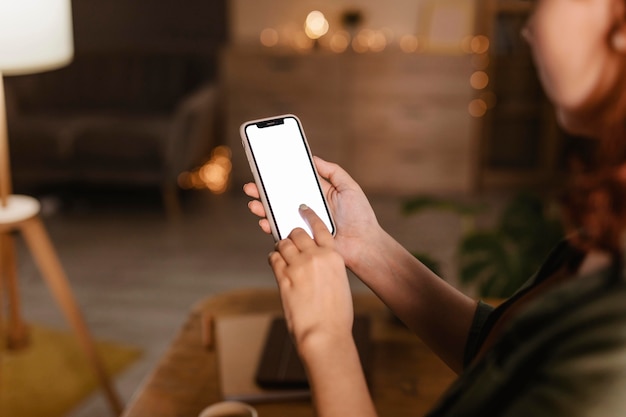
286, 171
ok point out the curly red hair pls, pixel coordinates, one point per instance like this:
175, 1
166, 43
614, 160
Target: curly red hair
594, 201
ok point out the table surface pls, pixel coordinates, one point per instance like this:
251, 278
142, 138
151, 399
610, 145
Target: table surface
406, 377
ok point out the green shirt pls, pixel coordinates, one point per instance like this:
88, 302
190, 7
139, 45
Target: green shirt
564, 354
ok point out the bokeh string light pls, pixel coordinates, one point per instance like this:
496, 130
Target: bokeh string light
213, 174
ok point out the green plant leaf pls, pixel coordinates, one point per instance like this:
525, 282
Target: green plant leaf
421, 203
499, 260
489, 261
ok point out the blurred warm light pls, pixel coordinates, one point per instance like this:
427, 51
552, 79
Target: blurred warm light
184, 180
301, 42
196, 181
477, 108
222, 151
370, 40
479, 44
362, 40
409, 43
214, 174
315, 25
479, 80
358, 46
269, 37
317, 33
378, 41
339, 41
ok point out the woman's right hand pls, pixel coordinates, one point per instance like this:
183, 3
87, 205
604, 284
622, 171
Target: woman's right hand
355, 220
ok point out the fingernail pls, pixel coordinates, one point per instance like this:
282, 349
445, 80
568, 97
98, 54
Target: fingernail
303, 207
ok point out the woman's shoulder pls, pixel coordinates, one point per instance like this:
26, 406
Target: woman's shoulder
574, 339
579, 323
599, 297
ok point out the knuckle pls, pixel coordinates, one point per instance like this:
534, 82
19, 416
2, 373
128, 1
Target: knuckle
282, 244
297, 232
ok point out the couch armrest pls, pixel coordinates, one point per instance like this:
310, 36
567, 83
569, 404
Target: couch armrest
193, 130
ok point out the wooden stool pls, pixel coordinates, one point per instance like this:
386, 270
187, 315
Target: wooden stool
21, 215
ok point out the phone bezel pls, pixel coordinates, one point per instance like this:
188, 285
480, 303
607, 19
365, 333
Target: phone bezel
258, 180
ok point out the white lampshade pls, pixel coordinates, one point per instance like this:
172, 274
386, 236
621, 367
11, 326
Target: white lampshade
35, 35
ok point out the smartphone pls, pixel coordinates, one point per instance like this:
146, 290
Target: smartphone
283, 169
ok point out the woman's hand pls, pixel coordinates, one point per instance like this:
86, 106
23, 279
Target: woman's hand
435, 310
317, 303
354, 218
313, 284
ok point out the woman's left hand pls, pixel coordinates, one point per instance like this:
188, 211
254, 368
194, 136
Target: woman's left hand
313, 284
316, 298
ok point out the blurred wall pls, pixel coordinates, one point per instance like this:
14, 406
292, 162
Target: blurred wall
157, 25
402, 17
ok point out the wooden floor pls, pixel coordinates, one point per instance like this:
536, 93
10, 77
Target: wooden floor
136, 274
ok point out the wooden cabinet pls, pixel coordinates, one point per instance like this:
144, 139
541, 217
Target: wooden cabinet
410, 127
397, 122
257, 84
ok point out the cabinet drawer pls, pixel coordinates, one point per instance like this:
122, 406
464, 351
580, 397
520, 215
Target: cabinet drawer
427, 150
402, 172
292, 74
412, 75
396, 122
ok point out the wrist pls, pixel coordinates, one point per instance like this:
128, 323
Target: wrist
366, 254
319, 345
336, 377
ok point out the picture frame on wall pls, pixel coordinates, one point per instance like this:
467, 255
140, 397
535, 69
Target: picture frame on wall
443, 24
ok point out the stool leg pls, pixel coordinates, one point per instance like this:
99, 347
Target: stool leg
17, 331
45, 256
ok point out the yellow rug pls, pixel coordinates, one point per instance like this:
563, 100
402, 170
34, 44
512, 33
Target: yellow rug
52, 375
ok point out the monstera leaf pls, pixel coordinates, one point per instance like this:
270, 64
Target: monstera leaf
499, 261
487, 260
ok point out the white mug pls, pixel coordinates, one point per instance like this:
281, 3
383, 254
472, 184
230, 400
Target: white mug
229, 409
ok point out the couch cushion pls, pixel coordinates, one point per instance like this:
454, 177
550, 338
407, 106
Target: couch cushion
128, 82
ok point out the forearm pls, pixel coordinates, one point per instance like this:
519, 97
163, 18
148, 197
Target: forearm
336, 378
437, 312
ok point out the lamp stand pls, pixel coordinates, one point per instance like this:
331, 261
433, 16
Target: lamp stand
20, 214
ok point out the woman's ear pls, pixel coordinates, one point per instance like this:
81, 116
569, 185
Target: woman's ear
618, 39
618, 34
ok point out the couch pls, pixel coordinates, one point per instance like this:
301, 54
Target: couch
132, 119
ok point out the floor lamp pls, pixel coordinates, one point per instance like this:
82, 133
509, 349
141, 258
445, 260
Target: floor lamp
35, 36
